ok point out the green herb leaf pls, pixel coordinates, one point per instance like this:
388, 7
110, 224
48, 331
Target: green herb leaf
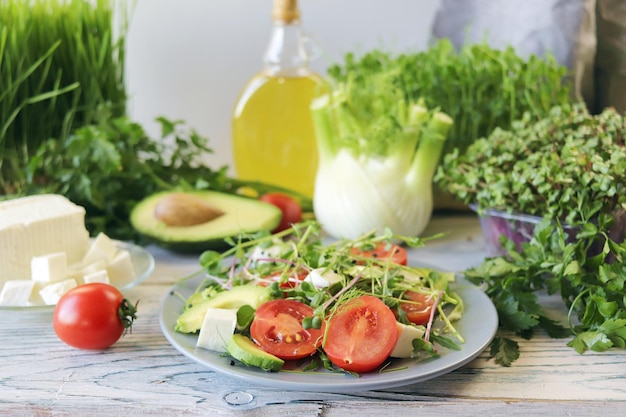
504, 350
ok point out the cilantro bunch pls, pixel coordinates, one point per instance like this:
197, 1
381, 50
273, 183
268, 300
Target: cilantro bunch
570, 169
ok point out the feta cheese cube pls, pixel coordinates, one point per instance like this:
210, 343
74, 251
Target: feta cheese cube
97, 276
217, 329
16, 292
49, 268
121, 268
404, 345
51, 293
93, 267
102, 248
323, 277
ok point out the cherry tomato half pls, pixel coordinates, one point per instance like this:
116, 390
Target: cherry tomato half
92, 316
418, 308
277, 329
361, 334
383, 251
292, 212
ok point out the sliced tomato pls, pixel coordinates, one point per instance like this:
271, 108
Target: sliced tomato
292, 212
277, 329
361, 334
418, 307
384, 251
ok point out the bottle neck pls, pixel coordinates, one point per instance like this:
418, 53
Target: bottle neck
285, 54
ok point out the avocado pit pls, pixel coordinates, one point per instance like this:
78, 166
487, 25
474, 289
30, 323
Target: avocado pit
184, 210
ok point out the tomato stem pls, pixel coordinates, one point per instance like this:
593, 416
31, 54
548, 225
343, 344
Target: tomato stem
127, 314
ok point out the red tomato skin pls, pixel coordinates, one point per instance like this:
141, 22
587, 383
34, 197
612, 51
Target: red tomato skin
292, 212
86, 317
361, 335
270, 333
417, 313
383, 251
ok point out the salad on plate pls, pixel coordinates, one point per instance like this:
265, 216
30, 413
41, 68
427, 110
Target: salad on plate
295, 302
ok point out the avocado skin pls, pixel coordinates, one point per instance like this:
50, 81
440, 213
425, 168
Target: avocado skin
242, 215
191, 248
246, 352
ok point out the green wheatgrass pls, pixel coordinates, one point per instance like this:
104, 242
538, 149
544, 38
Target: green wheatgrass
60, 62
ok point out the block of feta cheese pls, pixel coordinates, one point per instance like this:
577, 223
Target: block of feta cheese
51, 293
39, 225
16, 292
49, 268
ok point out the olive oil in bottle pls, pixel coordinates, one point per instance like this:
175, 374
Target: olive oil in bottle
273, 135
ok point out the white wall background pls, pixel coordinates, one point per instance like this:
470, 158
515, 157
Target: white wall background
188, 59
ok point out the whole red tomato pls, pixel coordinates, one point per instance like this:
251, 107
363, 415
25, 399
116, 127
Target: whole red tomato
292, 212
92, 316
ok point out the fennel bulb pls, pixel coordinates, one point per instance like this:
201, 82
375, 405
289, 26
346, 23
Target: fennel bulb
377, 157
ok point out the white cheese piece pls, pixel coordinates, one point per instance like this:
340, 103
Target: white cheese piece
93, 267
49, 268
323, 277
404, 345
39, 225
121, 269
97, 276
101, 249
16, 292
217, 329
79, 270
263, 255
51, 293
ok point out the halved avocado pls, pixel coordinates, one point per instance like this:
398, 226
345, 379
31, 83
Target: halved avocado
236, 215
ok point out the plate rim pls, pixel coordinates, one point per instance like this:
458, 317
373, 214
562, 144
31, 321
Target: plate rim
141, 277
220, 363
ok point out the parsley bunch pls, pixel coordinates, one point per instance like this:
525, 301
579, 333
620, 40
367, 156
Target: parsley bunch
570, 169
110, 165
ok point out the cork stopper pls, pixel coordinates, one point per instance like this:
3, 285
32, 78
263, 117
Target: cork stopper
285, 11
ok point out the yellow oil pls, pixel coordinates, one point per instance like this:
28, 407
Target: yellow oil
273, 135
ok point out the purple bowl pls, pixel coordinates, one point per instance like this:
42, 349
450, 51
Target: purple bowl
517, 227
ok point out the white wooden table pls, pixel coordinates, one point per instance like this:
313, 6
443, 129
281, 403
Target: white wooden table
144, 375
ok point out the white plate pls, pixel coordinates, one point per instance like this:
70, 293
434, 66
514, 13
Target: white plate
478, 326
143, 264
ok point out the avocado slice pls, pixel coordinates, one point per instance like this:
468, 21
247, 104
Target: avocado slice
191, 319
235, 215
246, 352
